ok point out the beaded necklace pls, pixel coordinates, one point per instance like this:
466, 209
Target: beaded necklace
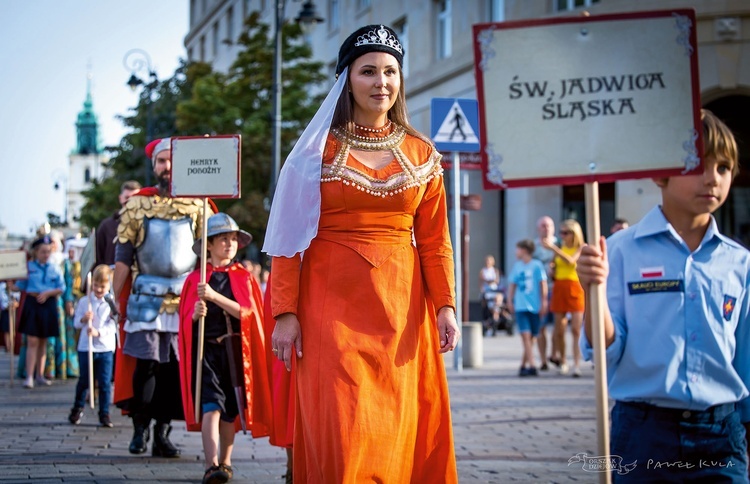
410, 176
375, 130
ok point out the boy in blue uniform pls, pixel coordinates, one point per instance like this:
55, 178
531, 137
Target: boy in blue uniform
677, 329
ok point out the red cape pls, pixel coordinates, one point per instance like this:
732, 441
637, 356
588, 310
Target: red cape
283, 384
246, 290
125, 364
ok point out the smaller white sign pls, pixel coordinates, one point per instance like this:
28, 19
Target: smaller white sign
13, 265
206, 166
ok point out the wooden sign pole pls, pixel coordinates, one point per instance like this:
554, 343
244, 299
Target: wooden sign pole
202, 321
595, 299
91, 343
11, 331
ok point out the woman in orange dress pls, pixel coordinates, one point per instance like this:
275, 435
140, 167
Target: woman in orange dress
362, 284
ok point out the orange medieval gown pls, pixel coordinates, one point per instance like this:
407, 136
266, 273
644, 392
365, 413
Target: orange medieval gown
283, 393
372, 400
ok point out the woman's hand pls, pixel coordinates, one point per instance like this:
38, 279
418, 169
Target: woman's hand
447, 329
206, 293
200, 310
286, 338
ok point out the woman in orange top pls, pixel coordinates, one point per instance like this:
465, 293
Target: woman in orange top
370, 305
567, 295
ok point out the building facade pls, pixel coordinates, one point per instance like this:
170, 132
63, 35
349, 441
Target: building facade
439, 62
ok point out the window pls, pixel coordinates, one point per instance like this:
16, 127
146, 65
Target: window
215, 40
262, 5
203, 48
444, 31
564, 5
190, 55
497, 10
333, 14
245, 9
230, 25
87, 175
402, 30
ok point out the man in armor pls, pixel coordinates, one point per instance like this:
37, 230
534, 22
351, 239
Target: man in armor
153, 257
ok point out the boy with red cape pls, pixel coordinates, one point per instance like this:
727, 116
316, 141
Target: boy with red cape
235, 392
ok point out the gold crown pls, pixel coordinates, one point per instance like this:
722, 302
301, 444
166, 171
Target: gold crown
380, 36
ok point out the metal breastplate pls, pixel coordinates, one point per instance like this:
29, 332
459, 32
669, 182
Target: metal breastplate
165, 258
167, 248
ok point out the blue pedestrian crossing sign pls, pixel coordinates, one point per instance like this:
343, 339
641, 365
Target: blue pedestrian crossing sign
455, 124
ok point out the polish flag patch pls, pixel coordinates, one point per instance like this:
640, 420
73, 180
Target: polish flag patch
650, 272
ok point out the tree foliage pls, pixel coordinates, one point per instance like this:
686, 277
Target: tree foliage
241, 102
153, 117
197, 101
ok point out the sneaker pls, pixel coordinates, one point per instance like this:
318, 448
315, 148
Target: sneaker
533, 372
577, 372
105, 421
41, 381
564, 369
28, 383
76, 413
544, 367
523, 371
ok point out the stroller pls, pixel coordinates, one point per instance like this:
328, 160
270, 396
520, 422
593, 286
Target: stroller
495, 314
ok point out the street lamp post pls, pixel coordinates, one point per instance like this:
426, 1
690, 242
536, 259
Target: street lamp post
61, 182
138, 60
307, 18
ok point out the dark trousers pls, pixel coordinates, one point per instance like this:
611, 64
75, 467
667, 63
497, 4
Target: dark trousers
102, 374
156, 390
675, 445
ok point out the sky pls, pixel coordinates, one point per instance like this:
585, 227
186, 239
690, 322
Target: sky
46, 48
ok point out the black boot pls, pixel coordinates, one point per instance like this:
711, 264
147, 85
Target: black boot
140, 434
162, 446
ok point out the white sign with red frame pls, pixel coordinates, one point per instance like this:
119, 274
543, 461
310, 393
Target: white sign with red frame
206, 166
580, 99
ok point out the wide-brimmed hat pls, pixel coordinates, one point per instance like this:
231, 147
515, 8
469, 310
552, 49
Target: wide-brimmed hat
222, 223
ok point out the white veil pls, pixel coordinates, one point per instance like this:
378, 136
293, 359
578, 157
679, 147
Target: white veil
295, 210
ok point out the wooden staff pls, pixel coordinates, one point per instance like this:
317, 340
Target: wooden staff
91, 342
596, 313
202, 320
11, 330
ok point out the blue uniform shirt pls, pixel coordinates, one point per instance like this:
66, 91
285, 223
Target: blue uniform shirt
527, 277
42, 277
4, 302
682, 330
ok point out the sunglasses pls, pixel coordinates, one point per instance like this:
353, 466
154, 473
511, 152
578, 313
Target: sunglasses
565, 232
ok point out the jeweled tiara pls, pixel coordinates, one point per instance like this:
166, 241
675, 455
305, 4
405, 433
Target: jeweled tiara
380, 36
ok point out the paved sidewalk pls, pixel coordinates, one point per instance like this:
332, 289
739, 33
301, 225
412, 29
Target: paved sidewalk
507, 429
